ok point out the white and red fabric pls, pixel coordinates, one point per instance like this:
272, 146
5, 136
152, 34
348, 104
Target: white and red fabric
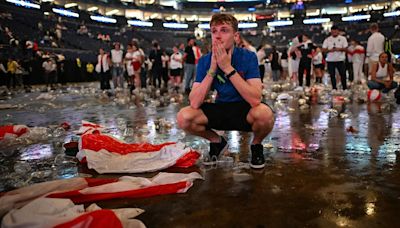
12, 131
89, 128
85, 190
63, 213
106, 154
374, 95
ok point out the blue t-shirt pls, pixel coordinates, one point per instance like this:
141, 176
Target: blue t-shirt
245, 63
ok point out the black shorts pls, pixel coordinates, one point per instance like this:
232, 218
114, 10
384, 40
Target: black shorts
319, 66
227, 116
175, 72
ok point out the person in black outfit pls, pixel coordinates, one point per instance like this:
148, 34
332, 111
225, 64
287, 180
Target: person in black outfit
155, 58
276, 67
306, 49
190, 65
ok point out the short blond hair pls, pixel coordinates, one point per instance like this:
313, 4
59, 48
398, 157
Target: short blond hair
224, 18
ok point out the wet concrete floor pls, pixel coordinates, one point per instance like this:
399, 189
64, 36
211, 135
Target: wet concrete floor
318, 173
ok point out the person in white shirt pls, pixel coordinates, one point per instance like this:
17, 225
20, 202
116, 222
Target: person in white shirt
294, 57
133, 58
50, 72
375, 45
261, 55
357, 53
336, 46
382, 75
128, 60
129, 67
319, 67
117, 69
102, 68
176, 66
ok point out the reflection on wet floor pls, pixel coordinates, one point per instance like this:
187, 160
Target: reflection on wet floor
331, 164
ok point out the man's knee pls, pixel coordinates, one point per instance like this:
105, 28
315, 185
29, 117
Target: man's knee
262, 115
185, 117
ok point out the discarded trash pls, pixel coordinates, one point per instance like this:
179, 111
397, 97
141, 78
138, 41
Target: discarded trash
351, 129
71, 148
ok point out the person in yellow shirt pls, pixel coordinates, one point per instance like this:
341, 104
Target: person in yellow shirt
90, 70
11, 69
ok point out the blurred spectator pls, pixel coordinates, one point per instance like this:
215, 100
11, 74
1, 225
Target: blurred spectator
117, 66
50, 72
155, 58
11, 69
102, 68
165, 63
375, 45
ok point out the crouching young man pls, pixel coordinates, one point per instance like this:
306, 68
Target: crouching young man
233, 73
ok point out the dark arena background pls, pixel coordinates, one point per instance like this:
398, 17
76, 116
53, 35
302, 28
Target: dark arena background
92, 130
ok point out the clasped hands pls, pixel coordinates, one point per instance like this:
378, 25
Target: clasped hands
221, 58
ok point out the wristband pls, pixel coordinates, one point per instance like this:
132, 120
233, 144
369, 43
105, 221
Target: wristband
211, 73
230, 74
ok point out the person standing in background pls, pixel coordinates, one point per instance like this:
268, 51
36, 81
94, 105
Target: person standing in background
285, 64
275, 61
165, 63
155, 58
306, 48
3, 74
129, 67
375, 46
336, 47
318, 65
176, 67
50, 73
261, 61
190, 65
117, 69
358, 56
102, 68
11, 69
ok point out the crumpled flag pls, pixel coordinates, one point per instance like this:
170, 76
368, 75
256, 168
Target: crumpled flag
12, 131
106, 154
62, 213
85, 190
89, 128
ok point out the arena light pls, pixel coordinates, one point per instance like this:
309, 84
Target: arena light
112, 12
103, 19
356, 18
334, 10
47, 0
140, 23
175, 25
93, 8
69, 5
204, 19
247, 25
66, 13
204, 26
24, 4
279, 23
392, 14
316, 21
